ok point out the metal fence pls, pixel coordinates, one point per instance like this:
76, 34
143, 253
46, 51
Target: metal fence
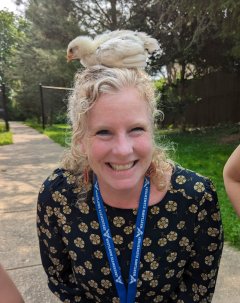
47, 100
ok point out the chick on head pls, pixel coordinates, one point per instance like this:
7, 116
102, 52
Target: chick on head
79, 47
120, 48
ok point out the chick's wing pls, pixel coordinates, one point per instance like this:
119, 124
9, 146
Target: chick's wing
121, 52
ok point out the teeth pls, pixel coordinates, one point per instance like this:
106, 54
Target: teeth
122, 167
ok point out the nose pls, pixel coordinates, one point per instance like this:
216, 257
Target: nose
123, 146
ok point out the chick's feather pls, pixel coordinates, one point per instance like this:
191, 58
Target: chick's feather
126, 54
120, 48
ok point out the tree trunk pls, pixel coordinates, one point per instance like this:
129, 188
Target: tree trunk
113, 14
182, 97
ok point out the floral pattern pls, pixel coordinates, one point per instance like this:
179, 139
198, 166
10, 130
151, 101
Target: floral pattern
181, 250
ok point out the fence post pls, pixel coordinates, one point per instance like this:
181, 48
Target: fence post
42, 105
5, 106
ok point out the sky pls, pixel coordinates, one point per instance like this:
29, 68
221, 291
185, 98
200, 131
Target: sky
9, 4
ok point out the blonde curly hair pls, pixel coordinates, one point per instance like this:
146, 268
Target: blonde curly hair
88, 86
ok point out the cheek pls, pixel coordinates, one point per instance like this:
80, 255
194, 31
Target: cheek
96, 150
145, 146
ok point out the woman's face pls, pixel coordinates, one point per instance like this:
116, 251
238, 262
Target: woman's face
118, 141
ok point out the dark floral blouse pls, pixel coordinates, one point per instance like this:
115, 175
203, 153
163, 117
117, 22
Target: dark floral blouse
181, 251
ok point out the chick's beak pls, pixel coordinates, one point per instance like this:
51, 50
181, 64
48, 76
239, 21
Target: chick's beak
69, 57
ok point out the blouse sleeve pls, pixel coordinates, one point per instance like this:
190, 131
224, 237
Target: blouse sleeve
200, 274
55, 259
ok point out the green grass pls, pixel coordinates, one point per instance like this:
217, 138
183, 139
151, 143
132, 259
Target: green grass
5, 137
203, 150
206, 151
59, 133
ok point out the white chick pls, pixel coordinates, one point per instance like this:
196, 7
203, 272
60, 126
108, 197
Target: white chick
120, 48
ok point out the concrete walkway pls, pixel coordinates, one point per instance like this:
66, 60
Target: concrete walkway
23, 166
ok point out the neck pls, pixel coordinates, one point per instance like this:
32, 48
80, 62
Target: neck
126, 199
129, 199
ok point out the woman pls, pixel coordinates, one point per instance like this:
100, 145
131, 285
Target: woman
119, 222
231, 176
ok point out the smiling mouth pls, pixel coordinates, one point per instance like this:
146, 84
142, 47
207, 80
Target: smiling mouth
121, 167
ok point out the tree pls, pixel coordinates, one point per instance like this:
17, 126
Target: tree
11, 36
230, 32
96, 16
42, 57
52, 24
194, 38
189, 33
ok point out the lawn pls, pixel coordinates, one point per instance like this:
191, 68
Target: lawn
5, 137
204, 150
59, 133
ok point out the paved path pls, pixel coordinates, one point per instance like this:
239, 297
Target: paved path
23, 166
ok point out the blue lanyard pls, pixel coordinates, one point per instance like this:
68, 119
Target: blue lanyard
129, 295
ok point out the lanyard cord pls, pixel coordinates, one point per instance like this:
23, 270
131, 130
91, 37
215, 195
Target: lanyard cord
129, 295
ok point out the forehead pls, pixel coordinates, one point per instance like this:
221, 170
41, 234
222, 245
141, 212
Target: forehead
126, 103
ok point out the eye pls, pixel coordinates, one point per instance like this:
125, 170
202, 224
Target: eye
103, 132
137, 129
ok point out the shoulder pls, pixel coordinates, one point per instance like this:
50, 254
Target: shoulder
60, 186
196, 194
59, 179
193, 184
